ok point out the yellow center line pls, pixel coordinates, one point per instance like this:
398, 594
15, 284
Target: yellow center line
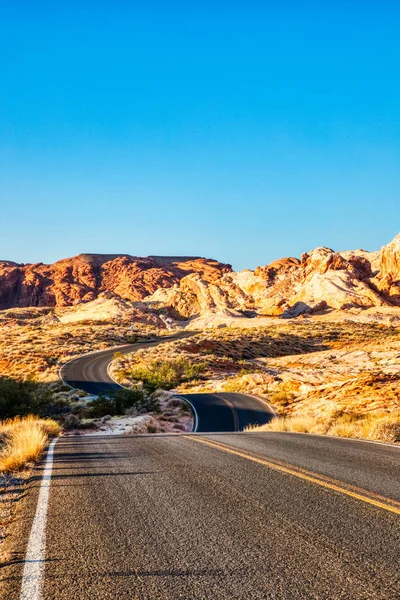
331, 484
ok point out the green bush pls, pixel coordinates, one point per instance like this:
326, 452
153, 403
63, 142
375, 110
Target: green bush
119, 401
151, 428
100, 407
21, 398
166, 374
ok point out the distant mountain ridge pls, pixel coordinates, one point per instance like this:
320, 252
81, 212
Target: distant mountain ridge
82, 278
321, 279
186, 287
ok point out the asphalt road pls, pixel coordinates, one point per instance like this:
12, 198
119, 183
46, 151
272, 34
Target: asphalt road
89, 372
214, 412
181, 516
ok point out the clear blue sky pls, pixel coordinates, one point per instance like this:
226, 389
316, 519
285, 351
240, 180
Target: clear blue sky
244, 131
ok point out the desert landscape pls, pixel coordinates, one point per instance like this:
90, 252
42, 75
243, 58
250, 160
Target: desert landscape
316, 337
200, 301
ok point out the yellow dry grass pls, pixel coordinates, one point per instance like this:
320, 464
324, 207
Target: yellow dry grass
378, 426
33, 345
23, 440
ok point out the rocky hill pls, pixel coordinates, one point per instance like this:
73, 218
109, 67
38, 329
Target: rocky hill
83, 278
186, 287
320, 279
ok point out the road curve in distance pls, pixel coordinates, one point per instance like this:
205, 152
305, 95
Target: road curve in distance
89, 372
214, 412
228, 411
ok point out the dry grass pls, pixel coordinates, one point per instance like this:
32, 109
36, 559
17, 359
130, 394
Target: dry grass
375, 426
302, 367
32, 345
379, 426
220, 352
23, 440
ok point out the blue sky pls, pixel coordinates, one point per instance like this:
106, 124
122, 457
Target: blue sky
244, 131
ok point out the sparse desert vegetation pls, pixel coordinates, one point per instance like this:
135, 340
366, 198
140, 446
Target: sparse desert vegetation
311, 367
34, 342
23, 397
229, 351
336, 378
376, 426
119, 401
165, 374
22, 442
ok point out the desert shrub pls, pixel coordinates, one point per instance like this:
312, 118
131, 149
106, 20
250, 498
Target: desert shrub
386, 430
281, 398
119, 401
166, 374
299, 424
304, 424
133, 338
247, 369
372, 426
71, 421
100, 407
135, 398
18, 397
234, 384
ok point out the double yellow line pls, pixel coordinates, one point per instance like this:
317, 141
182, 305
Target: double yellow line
326, 482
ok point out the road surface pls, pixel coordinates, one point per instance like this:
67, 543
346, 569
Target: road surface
214, 412
242, 516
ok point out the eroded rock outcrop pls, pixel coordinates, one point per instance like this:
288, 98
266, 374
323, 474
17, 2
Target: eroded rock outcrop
322, 279
183, 287
388, 277
84, 277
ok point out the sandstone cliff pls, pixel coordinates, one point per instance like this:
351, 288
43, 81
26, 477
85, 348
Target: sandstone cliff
84, 277
189, 287
388, 277
320, 279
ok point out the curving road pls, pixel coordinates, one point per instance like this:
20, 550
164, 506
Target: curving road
214, 412
206, 516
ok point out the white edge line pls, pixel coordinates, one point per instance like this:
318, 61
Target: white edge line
33, 575
111, 377
196, 417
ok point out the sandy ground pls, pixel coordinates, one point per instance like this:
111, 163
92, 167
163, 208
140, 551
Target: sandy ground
382, 314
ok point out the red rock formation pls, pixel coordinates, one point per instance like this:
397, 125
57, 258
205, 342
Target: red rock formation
199, 286
321, 279
84, 277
